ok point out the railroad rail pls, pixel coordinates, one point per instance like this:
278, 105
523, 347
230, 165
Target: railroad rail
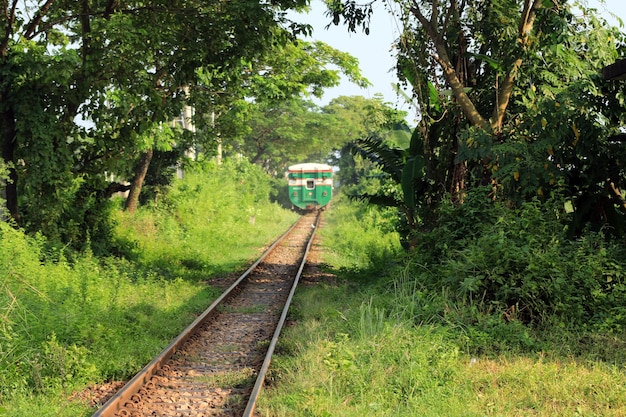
217, 365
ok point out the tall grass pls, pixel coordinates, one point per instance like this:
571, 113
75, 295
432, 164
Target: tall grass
360, 236
212, 220
68, 323
398, 345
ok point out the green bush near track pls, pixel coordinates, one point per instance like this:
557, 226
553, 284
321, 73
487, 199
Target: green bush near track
393, 335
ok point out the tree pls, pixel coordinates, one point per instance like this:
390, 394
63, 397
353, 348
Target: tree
442, 30
266, 114
283, 132
508, 91
379, 154
104, 62
358, 118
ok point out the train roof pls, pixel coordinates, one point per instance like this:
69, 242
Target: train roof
310, 166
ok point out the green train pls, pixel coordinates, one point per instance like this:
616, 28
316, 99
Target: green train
310, 186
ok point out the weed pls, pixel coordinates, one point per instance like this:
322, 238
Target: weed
427, 337
237, 379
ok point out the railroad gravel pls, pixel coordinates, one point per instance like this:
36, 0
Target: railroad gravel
213, 374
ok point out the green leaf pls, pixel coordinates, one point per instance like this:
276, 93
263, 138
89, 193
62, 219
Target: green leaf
434, 97
412, 173
497, 65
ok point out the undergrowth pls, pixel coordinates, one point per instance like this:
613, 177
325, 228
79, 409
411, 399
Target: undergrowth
67, 322
496, 313
523, 264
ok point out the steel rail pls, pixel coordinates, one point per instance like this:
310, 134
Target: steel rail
256, 391
117, 401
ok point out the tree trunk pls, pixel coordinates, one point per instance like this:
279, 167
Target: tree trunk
8, 152
449, 72
219, 151
132, 201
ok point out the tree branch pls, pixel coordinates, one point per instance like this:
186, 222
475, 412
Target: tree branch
31, 30
451, 76
112, 7
617, 195
115, 187
503, 96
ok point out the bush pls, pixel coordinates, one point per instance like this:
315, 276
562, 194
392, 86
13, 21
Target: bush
520, 263
407, 342
377, 242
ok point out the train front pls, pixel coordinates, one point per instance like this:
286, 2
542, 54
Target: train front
310, 186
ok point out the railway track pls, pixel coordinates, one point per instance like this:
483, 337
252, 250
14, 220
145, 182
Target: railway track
217, 365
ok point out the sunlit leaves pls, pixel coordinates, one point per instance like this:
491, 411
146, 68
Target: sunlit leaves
355, 14
121, 69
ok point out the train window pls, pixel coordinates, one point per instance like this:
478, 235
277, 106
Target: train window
310, 184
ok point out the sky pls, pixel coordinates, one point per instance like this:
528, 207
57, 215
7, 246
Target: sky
374, 51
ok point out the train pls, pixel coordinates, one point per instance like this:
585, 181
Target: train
310, 186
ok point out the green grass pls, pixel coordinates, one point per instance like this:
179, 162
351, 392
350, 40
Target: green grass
212, 221
377, 241
237, 379
350, 358
382, 344
386, 338
68, 323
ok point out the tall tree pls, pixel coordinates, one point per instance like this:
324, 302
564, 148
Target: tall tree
455, 36
509, 91
105, 63
272, 87
285, 132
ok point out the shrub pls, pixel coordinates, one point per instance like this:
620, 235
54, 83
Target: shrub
377, 242
520, 263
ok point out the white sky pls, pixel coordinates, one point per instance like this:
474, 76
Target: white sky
373, 51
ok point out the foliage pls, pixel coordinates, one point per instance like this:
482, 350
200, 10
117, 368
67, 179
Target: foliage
286, 132
301, 68
162, 172
87, 89
211, 201
375, 226
521, 263
525, 111
267, 111
402, 178
364, 125
4, 177
360, 117
518, 199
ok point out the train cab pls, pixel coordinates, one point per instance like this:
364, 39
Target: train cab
310, 185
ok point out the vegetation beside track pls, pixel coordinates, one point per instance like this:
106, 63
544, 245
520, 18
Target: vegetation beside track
392, 338
400, 336
70, 320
